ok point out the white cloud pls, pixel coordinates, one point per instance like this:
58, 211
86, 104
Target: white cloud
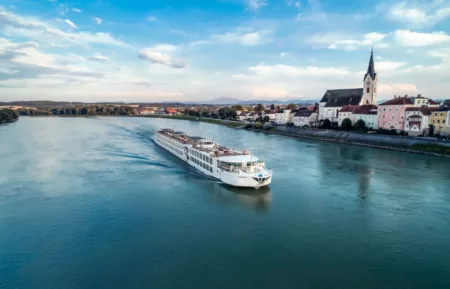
76, 10
283, 54
382, 66
409, 38
423, 14
98, 57
98, 20
152, 18
337, 41
162, 54
68, 22
14, 25
243, 36
256, 4
288, 71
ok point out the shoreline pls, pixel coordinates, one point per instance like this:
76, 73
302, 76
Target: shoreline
330, 138
343, 141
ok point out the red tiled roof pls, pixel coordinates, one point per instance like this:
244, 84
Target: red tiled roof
424, 110
398, 101
349, 108
365, 109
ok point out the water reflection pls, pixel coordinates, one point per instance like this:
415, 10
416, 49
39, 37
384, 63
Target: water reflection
258, 200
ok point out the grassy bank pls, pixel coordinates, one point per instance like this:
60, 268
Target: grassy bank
194, 118
432, 148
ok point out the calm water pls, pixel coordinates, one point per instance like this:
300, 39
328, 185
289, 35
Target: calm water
93, 203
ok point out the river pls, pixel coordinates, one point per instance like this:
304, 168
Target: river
94, 203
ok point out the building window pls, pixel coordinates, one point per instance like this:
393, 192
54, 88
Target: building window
374, 89
393, 117
396, 109
439, 121
368, 90
396, 124
441, 113
402, 117
389, 124
390, 109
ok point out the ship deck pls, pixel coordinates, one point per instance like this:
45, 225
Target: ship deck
216, 150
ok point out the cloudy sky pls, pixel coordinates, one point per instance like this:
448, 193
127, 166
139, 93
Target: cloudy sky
164, 50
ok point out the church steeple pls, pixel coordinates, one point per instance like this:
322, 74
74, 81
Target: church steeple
370, 83
371, 68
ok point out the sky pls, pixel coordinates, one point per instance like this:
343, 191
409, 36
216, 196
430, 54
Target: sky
198, 50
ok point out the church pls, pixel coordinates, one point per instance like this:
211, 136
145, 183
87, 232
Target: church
335, 99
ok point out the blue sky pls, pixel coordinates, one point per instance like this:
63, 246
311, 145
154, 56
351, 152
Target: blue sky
203, 49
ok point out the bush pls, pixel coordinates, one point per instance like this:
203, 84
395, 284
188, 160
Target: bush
360, 125
402, 133
346, 124
326, 124
258, 125
431, 130
334, 125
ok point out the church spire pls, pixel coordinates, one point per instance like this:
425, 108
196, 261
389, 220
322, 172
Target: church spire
371, 68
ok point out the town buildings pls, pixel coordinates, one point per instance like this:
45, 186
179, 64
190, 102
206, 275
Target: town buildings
438, 119
391, 114
334, 100
305, 118
417, 120
282, 117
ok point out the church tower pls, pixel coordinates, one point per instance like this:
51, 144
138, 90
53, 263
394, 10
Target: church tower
370, 84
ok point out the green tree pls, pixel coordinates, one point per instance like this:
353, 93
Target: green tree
272, 106
431, 130
360, 125
259, 107
326, 124
266, 119
291, 106
237, 107
346, 124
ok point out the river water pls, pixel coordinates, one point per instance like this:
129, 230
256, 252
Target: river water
94, 203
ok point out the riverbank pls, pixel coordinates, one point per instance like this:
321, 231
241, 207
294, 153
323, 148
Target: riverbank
229, 123
396, 143
8, 116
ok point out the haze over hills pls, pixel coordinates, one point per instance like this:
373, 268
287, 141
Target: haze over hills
216, 101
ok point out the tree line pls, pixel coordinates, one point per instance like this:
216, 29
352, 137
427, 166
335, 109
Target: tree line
8, 115
92, 110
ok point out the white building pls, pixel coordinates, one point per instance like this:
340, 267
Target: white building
305, 117
417, 119
347, 112
367, 113
282, 117
271, 114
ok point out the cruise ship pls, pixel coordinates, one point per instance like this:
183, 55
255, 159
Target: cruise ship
235, 168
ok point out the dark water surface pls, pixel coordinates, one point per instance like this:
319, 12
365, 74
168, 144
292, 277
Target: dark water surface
93, 203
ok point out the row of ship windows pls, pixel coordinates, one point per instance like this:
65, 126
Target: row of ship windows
202, 165
201, 156
171, 147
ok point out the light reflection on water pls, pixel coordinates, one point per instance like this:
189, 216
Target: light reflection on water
93, 203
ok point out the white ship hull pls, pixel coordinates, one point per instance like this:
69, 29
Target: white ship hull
231, 170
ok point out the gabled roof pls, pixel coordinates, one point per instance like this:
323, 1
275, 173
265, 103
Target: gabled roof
365, 109
342, 97
398, 101
303, 113
349, 108
424, 110
433, 102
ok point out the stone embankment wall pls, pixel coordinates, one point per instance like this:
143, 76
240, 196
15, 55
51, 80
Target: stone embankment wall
360, 138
